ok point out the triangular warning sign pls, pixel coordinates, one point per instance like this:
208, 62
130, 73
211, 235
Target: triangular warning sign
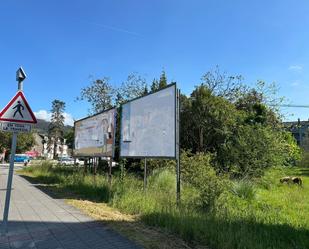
18, 110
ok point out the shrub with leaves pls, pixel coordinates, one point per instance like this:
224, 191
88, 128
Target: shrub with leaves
197, 171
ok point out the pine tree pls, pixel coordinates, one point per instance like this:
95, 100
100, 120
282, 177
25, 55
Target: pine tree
154, 85
145, 90
163, 80
56, 127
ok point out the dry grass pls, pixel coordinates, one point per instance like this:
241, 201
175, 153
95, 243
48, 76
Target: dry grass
130, 226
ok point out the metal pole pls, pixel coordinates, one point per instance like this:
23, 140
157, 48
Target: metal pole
20, 79
9, 184
145, 174
20, 86
178, 147
110, 172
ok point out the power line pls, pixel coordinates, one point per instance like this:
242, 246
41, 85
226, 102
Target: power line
297, 106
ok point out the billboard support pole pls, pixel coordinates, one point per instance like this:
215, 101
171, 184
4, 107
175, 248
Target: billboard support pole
145, 175
95, 164
85, 165
110, 172
178, 147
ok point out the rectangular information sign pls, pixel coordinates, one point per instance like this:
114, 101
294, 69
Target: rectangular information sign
15, 127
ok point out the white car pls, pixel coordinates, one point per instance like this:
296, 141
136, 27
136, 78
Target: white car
68, 161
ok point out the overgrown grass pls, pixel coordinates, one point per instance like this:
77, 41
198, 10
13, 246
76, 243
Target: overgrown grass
243, 189
258, 215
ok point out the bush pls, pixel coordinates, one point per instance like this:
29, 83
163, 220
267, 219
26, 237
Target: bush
197, 171
254, 148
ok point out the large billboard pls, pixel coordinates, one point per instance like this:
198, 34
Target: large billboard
94, 136
148, 125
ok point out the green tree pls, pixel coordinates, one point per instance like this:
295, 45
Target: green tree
256, 110
236, 125
69, 136
206, 120
25, 141
4, 141
56, 127
99, 94
254, 148
163, 80
145, 90
133, 87
230, 87
155, 85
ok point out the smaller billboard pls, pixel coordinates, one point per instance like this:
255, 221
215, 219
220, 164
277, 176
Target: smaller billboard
94, 135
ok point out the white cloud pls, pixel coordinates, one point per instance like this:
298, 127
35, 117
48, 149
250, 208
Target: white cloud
68, 119
45, 115
296, 68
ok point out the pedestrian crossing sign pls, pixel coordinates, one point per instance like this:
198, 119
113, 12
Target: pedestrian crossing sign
18, 111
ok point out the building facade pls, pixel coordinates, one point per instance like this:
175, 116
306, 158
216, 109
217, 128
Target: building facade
299, 129
45, 146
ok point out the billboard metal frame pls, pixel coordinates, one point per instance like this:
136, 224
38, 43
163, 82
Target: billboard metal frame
149, 157
114, 134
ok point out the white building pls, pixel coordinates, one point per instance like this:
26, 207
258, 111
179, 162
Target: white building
45, 147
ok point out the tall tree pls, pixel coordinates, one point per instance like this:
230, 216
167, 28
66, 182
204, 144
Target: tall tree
56, 127
145, 90
163, 80
133, 87
99, 94
223, 85
155, 85
206, 120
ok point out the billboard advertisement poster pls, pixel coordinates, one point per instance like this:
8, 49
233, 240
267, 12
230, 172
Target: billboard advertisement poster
148, 125
94, 135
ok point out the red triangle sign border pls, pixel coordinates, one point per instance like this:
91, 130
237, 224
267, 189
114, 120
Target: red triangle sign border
19, 94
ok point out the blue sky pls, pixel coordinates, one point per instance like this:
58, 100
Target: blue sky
61, 43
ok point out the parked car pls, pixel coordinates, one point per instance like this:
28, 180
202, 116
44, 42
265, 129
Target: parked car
68, 161
22, 158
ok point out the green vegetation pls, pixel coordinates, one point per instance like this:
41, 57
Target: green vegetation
25, 141
56, 126
260, 213
238, 125
234, 151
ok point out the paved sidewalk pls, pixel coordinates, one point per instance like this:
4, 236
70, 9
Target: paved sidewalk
40, 222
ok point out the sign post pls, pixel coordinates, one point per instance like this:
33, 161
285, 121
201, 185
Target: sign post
9, 185
16, 117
